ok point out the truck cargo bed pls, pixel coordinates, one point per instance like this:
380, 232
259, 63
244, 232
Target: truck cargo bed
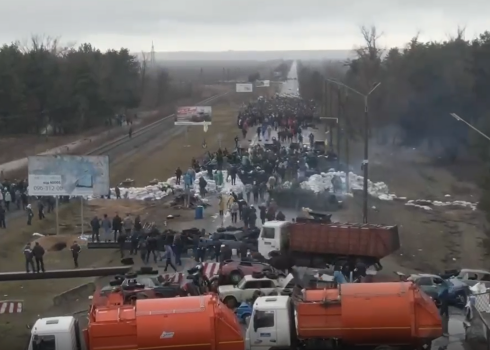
363, 240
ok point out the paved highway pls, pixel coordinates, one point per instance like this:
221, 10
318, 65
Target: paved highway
291, 87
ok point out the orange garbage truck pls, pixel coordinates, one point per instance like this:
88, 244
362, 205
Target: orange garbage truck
367, 315
200, 323
370, 315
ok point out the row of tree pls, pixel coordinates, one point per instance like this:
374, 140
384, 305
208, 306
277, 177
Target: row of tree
71, 89
421, 84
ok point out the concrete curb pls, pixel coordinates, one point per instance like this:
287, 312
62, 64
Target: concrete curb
75, 293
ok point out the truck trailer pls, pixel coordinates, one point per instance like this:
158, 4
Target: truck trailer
312, 243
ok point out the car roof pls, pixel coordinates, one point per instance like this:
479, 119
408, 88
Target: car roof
250, 278
52, 324
419, 275
474, 271
275, 223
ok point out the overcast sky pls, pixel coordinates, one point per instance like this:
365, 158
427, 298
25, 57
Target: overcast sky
218, 25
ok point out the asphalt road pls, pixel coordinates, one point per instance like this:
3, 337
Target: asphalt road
291, 86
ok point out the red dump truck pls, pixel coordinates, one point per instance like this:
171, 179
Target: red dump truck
311, 243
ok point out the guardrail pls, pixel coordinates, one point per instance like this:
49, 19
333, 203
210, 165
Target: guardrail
143, 130
478, 329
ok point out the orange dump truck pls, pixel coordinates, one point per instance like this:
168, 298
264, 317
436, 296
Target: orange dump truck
198, 323
314, 244
355, 314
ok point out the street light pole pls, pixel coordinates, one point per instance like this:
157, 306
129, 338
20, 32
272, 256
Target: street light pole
365, 162
459, 119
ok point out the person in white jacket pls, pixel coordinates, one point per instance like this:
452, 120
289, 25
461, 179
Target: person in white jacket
7, 199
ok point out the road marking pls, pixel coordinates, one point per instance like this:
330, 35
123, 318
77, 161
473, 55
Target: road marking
11, 307
210, 269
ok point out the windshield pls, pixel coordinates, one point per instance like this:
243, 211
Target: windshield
241, 284
44, 342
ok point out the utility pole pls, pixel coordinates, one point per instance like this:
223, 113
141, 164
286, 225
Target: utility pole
365, 162
339, 116
324, 99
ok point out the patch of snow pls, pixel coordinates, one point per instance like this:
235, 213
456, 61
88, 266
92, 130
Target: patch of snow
428, 204
164, 189
211, 186
321, 182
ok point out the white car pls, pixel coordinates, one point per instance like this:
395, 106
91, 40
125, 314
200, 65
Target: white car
234, 295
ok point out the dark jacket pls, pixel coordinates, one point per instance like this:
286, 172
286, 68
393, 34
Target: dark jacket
38, 251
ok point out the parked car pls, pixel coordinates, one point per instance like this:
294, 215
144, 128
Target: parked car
431, 284
231, 271
232, 239
469, 276
233, 295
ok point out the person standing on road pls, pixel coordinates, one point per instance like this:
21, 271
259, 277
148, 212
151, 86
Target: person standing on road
117, 226
106, 226
95, 224
118, 192
169, 256
130, 132
38, 252
178, 248
234, 212
152, 248
178, 175
75, 252
232, 173
2, 217
7, 198
40, 209
121, 240
143, 248
30, 214
18, 199
135, 238
29, 258
128, 224
24, 200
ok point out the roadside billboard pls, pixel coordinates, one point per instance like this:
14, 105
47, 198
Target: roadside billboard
65, 175
244, 87
262, 83
194, 115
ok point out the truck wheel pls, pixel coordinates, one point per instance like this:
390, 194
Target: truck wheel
235, 277
231, 302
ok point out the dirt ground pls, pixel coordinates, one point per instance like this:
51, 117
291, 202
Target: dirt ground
158, 159
431, 241
27, 145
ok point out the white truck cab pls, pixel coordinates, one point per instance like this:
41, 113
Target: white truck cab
55, 333
274, 235
270, 325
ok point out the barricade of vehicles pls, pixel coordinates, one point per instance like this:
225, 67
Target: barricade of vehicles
278, 307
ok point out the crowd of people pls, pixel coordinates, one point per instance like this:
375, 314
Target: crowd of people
277, 153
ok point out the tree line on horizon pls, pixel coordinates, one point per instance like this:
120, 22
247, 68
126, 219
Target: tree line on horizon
73, 89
